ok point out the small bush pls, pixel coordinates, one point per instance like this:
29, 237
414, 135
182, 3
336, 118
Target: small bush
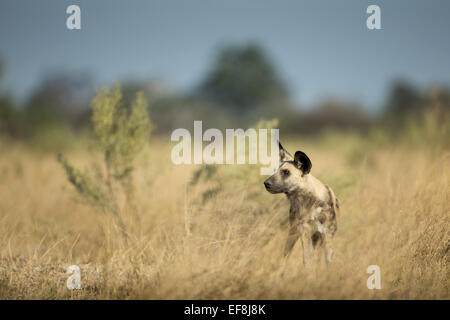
120, 133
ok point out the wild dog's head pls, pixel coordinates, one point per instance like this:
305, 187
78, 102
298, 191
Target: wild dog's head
291, 174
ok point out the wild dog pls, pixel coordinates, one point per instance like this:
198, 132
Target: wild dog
312, 215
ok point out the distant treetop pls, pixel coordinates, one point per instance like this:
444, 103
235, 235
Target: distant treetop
242, 77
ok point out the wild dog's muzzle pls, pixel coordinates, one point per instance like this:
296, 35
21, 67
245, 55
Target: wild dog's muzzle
269, 186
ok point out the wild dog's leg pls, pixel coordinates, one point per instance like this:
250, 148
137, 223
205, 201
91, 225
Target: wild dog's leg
308, 248
327, 250
330, 254
331, 224
318, 242
293, 236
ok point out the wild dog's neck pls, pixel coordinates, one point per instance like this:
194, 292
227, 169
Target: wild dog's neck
295, 200
301, 198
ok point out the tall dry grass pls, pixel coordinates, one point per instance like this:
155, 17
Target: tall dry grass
221, 235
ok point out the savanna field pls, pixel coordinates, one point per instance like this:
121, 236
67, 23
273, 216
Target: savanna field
214, 232
103, 105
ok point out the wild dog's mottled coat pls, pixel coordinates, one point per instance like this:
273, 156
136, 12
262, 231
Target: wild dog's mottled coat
314, 206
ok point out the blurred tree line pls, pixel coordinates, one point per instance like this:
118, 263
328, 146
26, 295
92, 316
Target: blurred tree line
241, 87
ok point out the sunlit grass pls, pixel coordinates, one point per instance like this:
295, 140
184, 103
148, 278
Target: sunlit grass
214, 232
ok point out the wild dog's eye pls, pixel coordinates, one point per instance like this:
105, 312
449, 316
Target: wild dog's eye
285, 172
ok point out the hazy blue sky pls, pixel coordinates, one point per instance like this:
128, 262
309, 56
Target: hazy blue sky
321, 47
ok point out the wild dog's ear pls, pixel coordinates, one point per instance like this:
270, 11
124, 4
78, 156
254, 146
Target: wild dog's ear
284, 155
302, 162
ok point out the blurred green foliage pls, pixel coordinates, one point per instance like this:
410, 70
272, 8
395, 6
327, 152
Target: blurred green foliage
241, 87
120, 133
243, 79
10, 115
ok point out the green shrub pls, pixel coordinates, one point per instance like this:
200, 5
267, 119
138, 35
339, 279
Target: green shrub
120, 133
